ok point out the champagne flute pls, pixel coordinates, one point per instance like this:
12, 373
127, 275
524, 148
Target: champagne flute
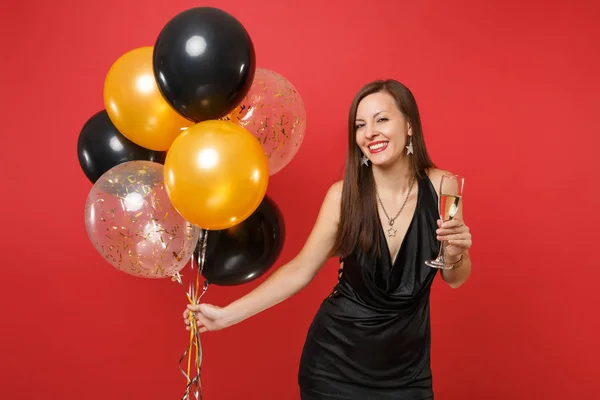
451, 190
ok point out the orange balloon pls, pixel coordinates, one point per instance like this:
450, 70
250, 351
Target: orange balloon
135, 105
216, 174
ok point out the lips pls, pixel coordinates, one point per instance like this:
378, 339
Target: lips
378, 147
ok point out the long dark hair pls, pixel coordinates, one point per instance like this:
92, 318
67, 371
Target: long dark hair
359, 218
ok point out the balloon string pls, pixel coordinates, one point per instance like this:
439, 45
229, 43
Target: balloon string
194, 350
193, 325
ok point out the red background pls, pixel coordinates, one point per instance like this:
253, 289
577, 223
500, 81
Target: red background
509, 98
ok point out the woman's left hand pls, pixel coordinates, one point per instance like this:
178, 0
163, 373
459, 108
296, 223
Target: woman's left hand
456, 238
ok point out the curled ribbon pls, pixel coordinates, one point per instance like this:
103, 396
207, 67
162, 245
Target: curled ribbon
194, 350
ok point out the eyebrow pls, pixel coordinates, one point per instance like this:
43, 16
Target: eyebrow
374, 115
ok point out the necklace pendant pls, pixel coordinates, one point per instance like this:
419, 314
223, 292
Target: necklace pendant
391, 222
391, 232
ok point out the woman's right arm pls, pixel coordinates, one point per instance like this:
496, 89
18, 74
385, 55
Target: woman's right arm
287, 280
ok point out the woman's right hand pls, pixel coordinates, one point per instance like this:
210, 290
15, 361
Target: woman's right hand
207, 317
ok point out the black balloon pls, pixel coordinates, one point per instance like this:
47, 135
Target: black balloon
246, 251
101, 146
204, 63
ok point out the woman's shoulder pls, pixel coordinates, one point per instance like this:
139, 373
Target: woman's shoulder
435, 176
436, 173
334, 193
330, 207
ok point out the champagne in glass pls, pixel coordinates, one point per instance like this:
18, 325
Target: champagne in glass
451, 189
448, 206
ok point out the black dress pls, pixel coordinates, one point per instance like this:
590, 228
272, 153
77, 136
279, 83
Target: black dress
370, 339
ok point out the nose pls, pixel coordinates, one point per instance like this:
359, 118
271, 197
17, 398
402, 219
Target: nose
370, 131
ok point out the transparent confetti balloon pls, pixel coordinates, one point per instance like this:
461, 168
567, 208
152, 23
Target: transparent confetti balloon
274, 113
133, 225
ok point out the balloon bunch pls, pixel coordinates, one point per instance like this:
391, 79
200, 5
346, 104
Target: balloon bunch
181, 156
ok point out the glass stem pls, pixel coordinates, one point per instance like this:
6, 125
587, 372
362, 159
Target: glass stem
440, 257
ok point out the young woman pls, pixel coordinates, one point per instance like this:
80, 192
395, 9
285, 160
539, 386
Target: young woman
370, 339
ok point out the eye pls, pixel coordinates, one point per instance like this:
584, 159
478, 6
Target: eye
382, 119
358, 126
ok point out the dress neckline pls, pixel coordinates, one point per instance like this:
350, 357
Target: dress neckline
388, 253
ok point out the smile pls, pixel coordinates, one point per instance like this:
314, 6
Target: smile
377, 147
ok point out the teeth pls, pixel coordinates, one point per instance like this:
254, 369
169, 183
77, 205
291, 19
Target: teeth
378, 146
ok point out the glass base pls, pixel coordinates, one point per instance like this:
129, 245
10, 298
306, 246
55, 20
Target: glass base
438, 264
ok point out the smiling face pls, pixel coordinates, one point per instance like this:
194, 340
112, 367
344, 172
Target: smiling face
382, 130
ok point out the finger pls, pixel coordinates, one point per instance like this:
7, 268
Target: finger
186, 314
203, 329
456, 231
464, 243
187, 328
453, 223
202, 320
456, 236
193, 307
452, 229
439, 223
197, 325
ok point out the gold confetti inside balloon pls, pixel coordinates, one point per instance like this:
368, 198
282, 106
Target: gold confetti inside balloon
274, 113
133, 225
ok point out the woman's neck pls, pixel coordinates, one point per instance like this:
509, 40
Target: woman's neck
394, 179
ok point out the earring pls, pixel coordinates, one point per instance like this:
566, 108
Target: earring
409, 148
364, 160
